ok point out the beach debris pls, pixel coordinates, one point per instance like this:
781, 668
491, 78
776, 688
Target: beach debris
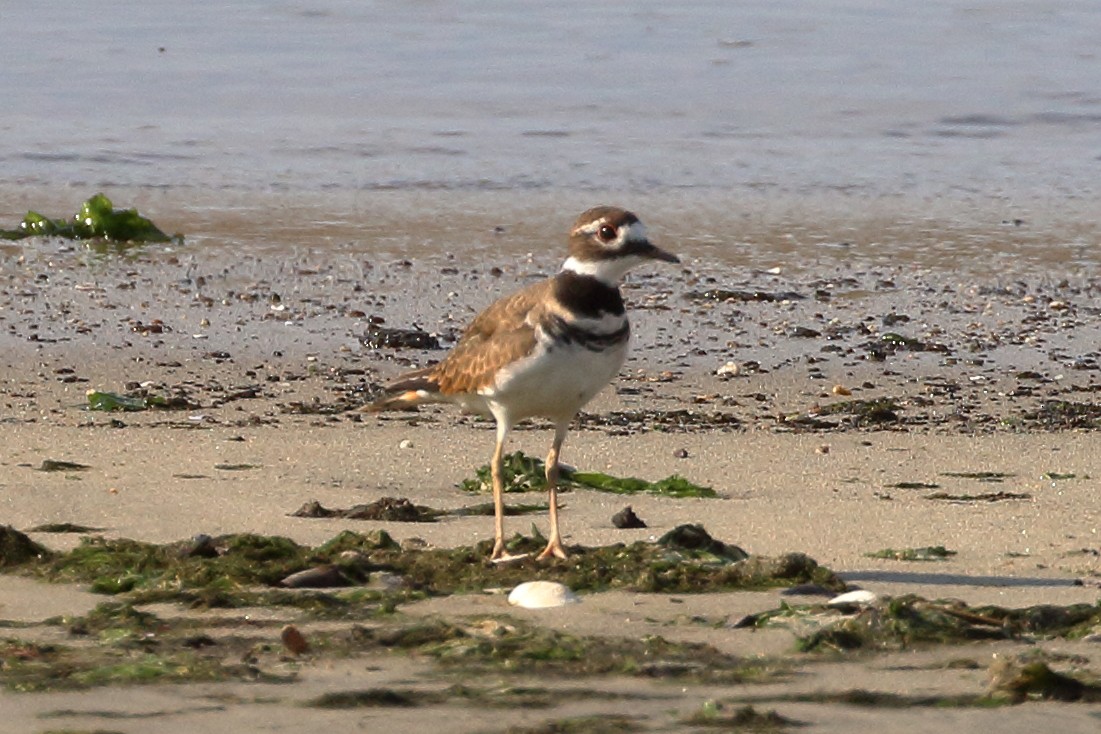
627, 519
695, 538
715, 715
52, 465
841, 390
724, 295
201, 545
981, 497
1019, 679
981, 476
685, 560
681, 420
891, 342
386, 509
913, 485
860, 414
97, 220
293, 640
542, 595
728, 370
113, 401
852, 601
903, 622
231, 466
523, 473
379, 337
925, 553
405, 444
17, 548
319, 577
1064, 415
681, 453
374, 698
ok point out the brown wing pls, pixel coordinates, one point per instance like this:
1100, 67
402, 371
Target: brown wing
501, 334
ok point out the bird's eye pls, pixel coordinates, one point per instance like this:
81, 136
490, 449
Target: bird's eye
607, 233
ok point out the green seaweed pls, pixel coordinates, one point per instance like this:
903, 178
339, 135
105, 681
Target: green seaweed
926, 553
489, 644
117, 402
97, 220
523, 473
128, 647
673, 486
232, 569
908, 621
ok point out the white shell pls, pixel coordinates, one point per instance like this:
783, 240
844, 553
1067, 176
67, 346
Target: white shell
730, 369
542, 595
858, 598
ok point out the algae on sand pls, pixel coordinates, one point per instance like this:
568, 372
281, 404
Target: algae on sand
907, 621
523, 473
97, 220
227, 571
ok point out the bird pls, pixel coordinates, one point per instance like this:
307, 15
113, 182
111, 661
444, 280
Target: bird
543, 351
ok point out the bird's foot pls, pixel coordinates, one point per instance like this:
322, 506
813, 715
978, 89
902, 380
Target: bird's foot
500, 556
554, 548
509, 558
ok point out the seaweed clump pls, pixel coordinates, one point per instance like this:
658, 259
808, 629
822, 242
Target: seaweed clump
523, 473
97, 220
908, 621
228, 571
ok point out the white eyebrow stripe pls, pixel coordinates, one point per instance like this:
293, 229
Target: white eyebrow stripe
592, 227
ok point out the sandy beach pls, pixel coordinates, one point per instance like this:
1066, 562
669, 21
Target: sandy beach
876, 370
866, 407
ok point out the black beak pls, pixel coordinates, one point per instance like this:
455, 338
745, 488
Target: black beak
654, 252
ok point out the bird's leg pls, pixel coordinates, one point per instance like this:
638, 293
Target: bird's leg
554, 544
497, 471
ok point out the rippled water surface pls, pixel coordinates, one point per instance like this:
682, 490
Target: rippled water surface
750, 113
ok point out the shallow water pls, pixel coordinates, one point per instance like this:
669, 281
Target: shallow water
767, 123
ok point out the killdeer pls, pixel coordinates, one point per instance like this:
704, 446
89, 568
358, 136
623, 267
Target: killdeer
543, 351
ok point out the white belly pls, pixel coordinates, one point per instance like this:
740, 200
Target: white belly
555, 383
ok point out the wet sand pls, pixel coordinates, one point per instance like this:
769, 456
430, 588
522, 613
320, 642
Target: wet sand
983, 369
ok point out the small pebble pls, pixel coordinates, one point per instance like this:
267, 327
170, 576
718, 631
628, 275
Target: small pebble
841, 390
321, 577
681, 454
405, 444
823, 449
626, 519
294, 641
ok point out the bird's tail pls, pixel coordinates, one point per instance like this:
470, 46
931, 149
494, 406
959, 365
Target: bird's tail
408, 391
